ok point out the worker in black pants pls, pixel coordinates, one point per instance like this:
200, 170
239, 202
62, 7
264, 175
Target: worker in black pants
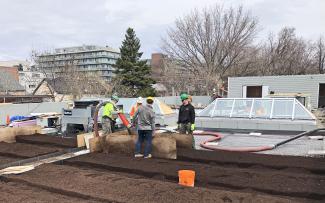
186, 117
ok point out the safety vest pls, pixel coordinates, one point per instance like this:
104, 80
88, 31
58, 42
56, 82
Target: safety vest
108, 110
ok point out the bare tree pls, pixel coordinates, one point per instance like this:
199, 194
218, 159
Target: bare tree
286, 54
208, 43
320, 54
122, 90
248, 65
66, 76
6, 84
47, 65
175, 77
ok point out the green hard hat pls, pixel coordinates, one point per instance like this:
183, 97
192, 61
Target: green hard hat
115, 97
184, 96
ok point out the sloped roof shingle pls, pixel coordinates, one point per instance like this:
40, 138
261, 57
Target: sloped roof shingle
9, 83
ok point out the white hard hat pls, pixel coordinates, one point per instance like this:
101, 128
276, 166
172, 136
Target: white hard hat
140, 100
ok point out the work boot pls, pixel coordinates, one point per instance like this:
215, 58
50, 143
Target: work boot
148, 156
138, 155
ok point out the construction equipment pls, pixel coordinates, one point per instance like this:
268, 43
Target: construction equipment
80, 118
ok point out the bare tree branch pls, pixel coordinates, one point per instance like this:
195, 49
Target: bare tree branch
210, 42
68, 77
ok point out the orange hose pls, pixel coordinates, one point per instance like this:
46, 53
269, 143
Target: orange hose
218, 137
124, 120
121, 115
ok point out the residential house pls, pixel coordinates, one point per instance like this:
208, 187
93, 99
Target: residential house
9, 84
27, 76
61, 89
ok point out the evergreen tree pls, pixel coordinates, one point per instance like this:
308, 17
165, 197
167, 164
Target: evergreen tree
133, 73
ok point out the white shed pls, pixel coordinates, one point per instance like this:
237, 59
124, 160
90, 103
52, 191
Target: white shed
264, 86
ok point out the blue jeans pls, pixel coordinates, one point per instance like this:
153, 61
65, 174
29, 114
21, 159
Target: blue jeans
144, 135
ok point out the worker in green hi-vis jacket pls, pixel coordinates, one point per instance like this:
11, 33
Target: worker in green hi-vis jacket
109, 115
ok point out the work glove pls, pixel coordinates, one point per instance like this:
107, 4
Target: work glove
192, 127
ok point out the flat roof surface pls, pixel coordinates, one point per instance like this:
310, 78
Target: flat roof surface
278, 76
299, 147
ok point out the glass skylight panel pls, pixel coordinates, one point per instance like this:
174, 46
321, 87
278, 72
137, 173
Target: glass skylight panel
300, 112
242, 108
262, 108
223, 108
207, 111
283, 108
259, 108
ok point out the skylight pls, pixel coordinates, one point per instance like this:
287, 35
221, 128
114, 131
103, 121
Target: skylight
262, 108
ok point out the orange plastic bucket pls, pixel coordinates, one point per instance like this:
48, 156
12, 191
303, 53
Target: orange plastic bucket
186, 177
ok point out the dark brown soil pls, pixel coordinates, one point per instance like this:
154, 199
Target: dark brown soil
99, 177
22, 150
110, 187
33, 146
18, 192
252, 160
48, 140
6, 160
214, 176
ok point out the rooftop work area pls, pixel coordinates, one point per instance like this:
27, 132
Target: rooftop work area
294, 179
61, 168
162, 101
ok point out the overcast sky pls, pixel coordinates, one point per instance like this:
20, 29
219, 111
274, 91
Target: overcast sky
46, 24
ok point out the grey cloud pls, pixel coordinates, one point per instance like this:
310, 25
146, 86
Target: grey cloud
45, 24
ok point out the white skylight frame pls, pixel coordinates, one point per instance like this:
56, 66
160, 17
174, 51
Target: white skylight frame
270, 104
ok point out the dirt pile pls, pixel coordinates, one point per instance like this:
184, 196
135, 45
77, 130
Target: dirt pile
48, 140
30, 146
6, 160
100, 177
22, 150
109, 187
253, 160
18, 192
279, 182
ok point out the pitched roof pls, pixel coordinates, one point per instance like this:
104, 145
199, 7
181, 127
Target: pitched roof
9, 83
59, 85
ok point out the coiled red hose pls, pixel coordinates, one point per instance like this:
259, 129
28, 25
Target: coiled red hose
218, 137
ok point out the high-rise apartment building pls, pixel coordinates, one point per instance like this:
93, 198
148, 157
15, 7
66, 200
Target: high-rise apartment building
95, 60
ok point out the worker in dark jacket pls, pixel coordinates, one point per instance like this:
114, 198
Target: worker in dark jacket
186, 116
